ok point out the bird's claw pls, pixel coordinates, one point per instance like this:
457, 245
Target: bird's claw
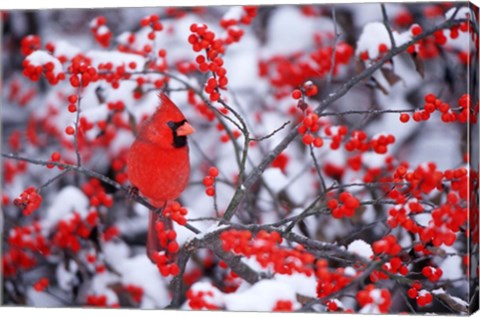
132, 192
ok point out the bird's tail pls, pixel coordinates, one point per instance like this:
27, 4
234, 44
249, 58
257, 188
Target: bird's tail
153, 244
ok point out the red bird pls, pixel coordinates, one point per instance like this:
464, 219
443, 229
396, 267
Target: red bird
158, 163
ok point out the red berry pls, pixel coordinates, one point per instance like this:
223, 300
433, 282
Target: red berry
72, 108
70, 130
404, 117
296, 94
210, 191
307, 139
72, 98
416, 29
213, 171
55, 156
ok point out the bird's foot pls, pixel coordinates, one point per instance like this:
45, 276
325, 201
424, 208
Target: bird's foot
132, 192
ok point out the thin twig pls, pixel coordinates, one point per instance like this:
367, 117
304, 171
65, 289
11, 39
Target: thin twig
387, 25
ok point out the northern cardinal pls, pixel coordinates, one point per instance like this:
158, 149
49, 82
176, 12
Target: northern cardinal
158, 164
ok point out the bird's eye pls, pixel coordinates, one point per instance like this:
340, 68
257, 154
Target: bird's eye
171, 124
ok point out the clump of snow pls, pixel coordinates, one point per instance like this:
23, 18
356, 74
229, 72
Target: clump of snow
64, 48
69, 200
101, 286
361, 248
40, 58
212, 295
141, 272
262, 296
374, 34
234, 13
66, 278
452, 268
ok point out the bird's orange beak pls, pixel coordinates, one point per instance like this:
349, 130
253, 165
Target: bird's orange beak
185, 129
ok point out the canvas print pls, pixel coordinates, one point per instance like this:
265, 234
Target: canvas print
293, 158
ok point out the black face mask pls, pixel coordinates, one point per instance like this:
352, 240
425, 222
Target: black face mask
178, 141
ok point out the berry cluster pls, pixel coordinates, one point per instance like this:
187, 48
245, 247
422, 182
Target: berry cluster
330, 281
12, 169
309, 126
100, 31
308, 89
204, 39
176, 212
381, 142
41, 284
55, 157
433, 274
380, 298
422, 296
266, 249
165, 260
72, 106
154, 22
29, 201
346, 207
40, 62
15, 260
400, 215
96, 193
428, 47
387, 245
83, 73
248, 14
394, 266
337, 133
30, 44
209, 181
136, 292
283, 305
286, 72
199, 300
99, 301
70, 230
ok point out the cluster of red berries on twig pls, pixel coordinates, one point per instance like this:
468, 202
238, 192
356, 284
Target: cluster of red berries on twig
96, 193
29, 200
30, 44
40, 62
309, 126
468, 111
248, 14
209, 181
136, 292
176, 212
41, 284
346, 207
69, 231
100, 31
154, 22
266, 249
166, 236
330, 281
199, 300
204, 39
283, 306
423, 297
380, 298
